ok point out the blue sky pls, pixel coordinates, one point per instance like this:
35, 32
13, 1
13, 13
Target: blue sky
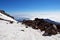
27, 7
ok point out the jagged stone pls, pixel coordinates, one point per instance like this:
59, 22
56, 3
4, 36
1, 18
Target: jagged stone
49, 28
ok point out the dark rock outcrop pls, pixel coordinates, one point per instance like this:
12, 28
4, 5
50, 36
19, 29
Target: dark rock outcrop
50, 27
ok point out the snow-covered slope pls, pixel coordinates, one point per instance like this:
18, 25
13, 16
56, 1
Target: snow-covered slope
6, 17
19, 32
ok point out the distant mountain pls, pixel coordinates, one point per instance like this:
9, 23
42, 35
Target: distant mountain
51, 21
20, 19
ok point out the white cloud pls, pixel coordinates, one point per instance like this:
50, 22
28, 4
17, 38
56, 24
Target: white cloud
50, 15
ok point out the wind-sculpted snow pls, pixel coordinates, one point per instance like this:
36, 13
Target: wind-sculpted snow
14, 32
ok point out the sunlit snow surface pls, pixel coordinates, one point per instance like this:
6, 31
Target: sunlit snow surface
13, 32
6, 17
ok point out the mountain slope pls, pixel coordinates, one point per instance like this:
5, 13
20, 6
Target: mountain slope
19, 32
6, 16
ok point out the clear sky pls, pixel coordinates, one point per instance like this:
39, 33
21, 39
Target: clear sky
27, 7
30, 5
